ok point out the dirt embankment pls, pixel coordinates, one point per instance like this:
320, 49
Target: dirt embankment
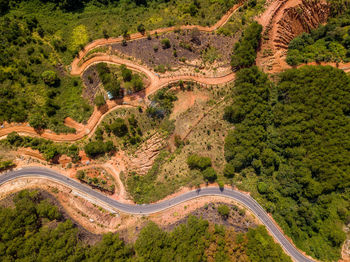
93, 220
283, 20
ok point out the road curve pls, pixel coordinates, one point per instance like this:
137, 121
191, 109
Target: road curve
87, 130
242, 198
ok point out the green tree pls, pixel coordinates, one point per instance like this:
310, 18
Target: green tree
165, 43
209, 174
126, 73
37, 121
229, 170
80, 174
99, 100
50, 78
119, 127
141, 28
195, 161
224, 211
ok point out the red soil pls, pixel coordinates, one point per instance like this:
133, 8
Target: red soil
282, 21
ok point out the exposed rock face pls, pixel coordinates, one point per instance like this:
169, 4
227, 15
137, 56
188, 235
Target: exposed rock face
283, 20
301, 18
146, 154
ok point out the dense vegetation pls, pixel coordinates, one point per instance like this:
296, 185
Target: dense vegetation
204, 165
39, 38
47, 148
32, 85
327, 43
244, 52
36, 231
162, 103
291, 147
112, 81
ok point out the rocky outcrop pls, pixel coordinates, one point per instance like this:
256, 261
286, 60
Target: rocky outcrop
144, 157
298, 19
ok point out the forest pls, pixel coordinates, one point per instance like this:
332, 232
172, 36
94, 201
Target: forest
291, 147
35, 230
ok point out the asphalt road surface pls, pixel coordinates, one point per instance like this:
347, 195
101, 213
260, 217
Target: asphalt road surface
244, 199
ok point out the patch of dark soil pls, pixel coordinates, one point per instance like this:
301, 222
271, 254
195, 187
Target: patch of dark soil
61, 70
236, 220
91, 82
84, 235
189, 44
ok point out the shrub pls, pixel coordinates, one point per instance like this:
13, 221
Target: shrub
141, 28
126, 73
119, 128
224, 211
165, 43
198, 162
99, 100
80, 174
209, 174
6, 165
50, 78
96, 148
160, 69
37, 121
14, 138
136, 83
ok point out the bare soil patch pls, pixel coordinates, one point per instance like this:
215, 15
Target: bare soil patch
186, 100
237, 219
91, 83
188, 45
98, 178
283, 20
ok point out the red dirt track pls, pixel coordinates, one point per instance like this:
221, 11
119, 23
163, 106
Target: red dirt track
155, 84
269, 18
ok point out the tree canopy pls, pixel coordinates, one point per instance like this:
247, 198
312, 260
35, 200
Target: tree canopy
293, 137
35, 230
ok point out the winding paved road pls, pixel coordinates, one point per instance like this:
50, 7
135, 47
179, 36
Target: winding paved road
244, 199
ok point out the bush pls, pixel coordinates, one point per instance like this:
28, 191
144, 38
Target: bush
198, 162
119, 127
6, 165
126, 73
137, 83
209, 174
96, 148
224, 211
165, 43
37, 121
141, 28
160, 68
80, 174
14, 138
99, 100
50, 78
